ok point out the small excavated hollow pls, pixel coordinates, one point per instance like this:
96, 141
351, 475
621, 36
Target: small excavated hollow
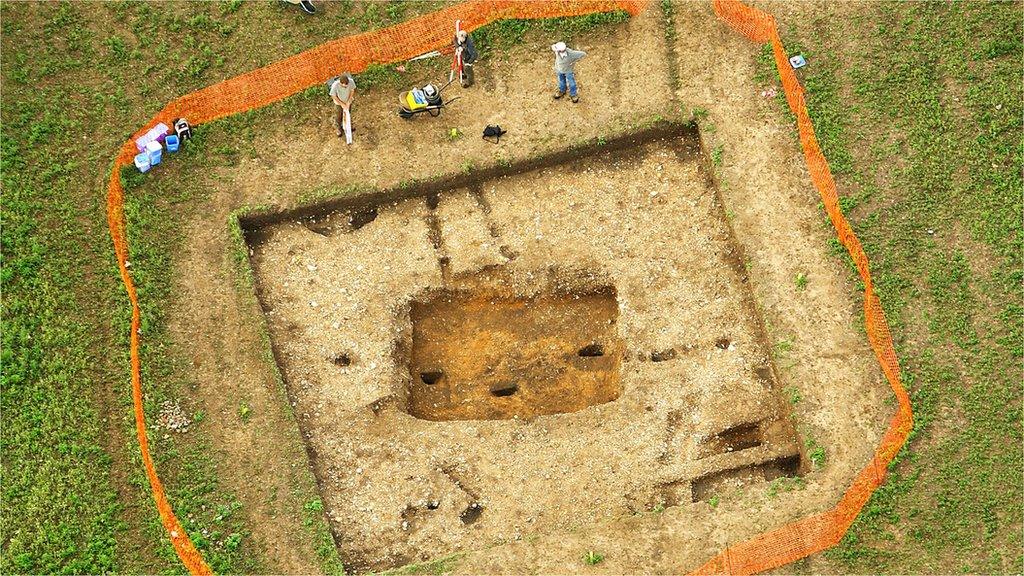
505, 357
739, 437
707, 487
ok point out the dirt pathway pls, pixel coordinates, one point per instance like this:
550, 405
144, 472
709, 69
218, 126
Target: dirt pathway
260, 459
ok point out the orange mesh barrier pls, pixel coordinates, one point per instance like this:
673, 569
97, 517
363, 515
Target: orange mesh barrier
354, 53
276, 82
820, 531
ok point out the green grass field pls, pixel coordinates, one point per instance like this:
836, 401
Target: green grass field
918, 107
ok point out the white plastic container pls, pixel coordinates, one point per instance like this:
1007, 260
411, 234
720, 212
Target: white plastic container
152, 135
142, 161
155, 151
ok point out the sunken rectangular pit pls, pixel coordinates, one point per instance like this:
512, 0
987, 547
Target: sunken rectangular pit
483, 354
523, 350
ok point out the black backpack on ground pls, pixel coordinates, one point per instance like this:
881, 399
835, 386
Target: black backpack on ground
494, 132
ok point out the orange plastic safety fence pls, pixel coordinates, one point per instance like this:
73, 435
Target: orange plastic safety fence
815, 533
276, 82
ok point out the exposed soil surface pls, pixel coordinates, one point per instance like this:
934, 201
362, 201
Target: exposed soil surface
480, 354
695, 377
619, 262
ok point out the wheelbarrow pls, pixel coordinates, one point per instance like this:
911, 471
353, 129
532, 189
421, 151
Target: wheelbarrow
426, 99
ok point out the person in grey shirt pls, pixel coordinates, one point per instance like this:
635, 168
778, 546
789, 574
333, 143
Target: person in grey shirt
343, 90
565, 63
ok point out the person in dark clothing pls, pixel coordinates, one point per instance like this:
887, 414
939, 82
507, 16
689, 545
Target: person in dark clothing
466, 50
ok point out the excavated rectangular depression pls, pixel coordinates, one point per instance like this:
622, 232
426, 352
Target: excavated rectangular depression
522, 350
484, 355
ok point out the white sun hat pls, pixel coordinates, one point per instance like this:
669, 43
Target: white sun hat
558, 46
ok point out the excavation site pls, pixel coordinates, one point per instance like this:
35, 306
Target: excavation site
511, 287
527, 349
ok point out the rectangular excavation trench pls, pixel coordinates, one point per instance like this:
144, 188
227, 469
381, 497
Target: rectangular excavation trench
487, 355
468, 357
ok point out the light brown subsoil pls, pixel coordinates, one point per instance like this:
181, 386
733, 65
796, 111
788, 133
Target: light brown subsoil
698, 414
772, 213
